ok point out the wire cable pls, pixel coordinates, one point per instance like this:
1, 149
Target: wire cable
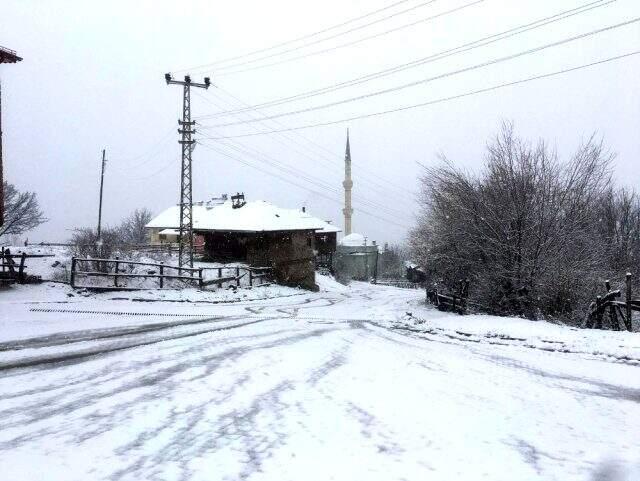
284, 179
346, 44
297, 39
308, 44
424, 60
440, 100
376, 185
437, 77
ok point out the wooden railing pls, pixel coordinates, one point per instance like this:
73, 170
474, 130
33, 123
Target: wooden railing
111, 269
451, 302
12, 272
402, 283
607, 307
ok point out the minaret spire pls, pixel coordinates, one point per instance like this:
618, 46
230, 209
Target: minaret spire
348, 184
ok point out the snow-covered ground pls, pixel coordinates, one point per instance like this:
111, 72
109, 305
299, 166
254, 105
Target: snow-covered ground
351, 383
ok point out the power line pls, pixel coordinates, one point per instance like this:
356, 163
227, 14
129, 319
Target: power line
377, 186
314, 42
320, 183
437, 101
284, 179
148, 154
297, 39
305, 175
340, 167
424, 60
437, 77
350, 43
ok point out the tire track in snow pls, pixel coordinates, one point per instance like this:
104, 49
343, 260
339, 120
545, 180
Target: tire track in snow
65, 357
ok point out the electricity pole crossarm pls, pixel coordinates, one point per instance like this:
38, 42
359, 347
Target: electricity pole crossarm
185, 252
187, 80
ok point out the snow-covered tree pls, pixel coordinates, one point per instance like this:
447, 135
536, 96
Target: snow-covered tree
525, 230
21, 211
132, 230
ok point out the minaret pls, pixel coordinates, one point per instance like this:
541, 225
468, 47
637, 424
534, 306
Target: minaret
348, 184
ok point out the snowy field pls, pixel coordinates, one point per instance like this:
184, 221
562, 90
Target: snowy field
351, 383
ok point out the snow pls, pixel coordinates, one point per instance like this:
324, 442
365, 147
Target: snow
254, 216
357, 382
353, 240
57, 268
169, 232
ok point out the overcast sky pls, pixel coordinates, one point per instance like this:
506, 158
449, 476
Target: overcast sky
92, 78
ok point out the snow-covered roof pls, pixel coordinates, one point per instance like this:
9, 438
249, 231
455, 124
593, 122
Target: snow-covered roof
170, 232
353, 240
254, 216
329, 228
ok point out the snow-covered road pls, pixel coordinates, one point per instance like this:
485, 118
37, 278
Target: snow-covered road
340, 385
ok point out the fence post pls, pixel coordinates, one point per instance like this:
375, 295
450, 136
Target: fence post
161, 275
219, 277
237, 276
200, 279
628, 318
72, 277
21, 276
115, 278
250, 278
613, 317
2, 258
598, 312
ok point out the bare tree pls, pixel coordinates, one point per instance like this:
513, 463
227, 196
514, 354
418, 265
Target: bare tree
22, 211
619, 225
85, 244
132, 230
391, 261
524, 230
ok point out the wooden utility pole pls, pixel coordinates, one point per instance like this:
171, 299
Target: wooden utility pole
629, 312
185, 252
1, 171
6, 56
104, 161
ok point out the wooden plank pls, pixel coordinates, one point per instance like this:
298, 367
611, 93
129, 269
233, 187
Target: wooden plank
112, 274
29, 256
112, 288
122, 261
219, 281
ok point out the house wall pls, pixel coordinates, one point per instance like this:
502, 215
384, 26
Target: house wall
226, 246
156, 239
326, 243
289, 253
357, 262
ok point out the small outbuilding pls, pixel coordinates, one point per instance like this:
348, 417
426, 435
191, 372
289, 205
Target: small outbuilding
356, 259
257, 233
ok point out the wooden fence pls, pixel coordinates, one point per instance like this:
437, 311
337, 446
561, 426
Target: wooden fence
82, 267
608, 308
169, 247
402, 283
450, 302
13, 272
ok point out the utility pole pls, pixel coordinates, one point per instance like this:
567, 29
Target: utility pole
185, 239
6, 56
99, 243
1, 171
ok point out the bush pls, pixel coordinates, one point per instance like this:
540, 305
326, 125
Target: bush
527, 230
